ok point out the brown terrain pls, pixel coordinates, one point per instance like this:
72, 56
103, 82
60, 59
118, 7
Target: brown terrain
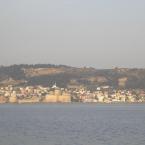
64, 76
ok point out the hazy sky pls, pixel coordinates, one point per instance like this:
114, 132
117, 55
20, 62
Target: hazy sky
97, 33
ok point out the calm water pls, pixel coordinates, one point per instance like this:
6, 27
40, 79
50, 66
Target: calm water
72, 124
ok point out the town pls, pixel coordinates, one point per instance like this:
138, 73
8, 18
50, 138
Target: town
54, 94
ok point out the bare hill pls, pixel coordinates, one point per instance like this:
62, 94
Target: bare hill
64, 76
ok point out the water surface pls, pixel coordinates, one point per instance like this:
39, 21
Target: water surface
72, 124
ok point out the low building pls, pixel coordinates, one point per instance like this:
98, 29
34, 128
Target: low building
29, 100
57, 96
64, 98
13, 98
3, 99
50, 98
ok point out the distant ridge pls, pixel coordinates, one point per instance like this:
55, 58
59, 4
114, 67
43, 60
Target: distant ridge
64, 76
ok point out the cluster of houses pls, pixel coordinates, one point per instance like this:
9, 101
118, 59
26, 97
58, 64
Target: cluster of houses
31, 94
109, 95
54, 94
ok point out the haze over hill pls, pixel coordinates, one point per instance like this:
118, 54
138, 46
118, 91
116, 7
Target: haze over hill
66, 76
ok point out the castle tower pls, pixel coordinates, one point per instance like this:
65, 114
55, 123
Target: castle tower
64, 97
13, 98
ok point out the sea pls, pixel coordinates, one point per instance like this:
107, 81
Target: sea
72, 124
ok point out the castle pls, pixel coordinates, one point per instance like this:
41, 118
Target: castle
57, 95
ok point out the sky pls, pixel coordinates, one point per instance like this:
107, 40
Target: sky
91, 33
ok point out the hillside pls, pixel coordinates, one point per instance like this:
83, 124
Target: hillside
65, 76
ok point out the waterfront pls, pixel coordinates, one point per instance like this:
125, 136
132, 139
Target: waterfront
54, 94
72, 124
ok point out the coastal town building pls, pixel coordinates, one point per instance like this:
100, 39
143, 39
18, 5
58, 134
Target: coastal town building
57, 95
3, 99
13, 98
54, 94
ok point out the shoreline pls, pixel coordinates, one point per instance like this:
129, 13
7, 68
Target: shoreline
71, 103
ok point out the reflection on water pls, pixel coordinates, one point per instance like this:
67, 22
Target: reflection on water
72, 124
